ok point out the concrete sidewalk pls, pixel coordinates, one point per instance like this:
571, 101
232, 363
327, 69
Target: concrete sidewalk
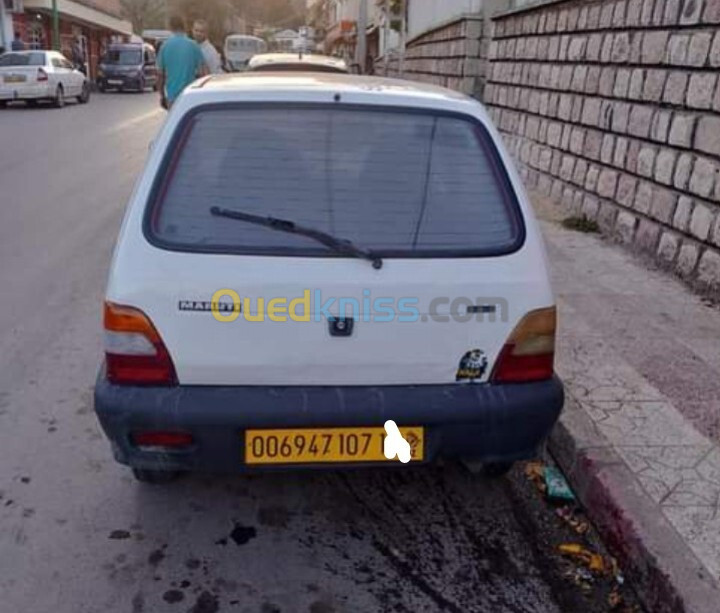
640, 357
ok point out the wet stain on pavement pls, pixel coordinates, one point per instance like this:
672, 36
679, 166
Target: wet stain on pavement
192, 563
173, 596
206, 603
241, 535
156, 557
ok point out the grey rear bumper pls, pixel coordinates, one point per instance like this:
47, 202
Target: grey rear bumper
488, 423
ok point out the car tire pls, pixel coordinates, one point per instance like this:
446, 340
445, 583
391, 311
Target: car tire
31, 103
141, 86
59, 99
3, 104
101, 87
496, 470
84, 97
155, 477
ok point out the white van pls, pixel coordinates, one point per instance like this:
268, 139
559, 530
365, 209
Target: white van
239, 49
306, 257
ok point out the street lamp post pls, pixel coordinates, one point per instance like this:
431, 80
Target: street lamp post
403, 37
361, 47
55, 26
3, 42
386, 35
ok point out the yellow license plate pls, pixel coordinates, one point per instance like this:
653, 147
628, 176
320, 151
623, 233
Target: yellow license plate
326, 445
14, 79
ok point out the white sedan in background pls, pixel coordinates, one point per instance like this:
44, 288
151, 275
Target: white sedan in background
296, 62
40, 75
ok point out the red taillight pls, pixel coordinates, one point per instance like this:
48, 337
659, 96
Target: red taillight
134, 352
166, 440
529, 353
42, 75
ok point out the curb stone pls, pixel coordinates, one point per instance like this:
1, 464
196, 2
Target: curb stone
663, 570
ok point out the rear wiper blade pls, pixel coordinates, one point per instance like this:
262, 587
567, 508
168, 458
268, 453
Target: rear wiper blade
338, 245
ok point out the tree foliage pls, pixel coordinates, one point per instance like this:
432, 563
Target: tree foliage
144, 14
219, 14
273, 13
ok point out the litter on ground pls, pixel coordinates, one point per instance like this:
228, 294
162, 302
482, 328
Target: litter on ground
557, 487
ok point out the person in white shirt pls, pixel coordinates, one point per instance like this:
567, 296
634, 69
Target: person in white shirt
212, 57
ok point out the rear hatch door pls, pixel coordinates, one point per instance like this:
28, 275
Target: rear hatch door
424, 191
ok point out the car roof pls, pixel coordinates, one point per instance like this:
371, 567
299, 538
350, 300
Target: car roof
243, 36
29, 51
310, 59
49, 53
302, 83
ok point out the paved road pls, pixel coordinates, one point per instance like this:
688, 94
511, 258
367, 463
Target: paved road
77, 534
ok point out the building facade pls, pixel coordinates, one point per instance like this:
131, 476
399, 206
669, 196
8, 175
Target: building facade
423, 16
335, 22
95, 22
341, 27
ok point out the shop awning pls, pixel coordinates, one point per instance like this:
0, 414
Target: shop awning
80, 12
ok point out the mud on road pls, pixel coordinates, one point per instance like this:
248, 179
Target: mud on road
407, 540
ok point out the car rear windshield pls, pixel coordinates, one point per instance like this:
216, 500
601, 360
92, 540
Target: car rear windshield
399, 183
22, 59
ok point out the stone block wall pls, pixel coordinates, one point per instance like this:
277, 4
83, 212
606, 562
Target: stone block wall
451, 55
612, 107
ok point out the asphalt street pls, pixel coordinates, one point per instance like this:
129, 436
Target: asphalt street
79, 535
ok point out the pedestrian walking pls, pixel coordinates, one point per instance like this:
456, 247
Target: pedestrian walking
213, 61
17, 44
78, 55
180, 61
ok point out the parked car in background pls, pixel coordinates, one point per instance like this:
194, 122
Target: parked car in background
382, 278
129, 66
239, 48
296, 62
36, 76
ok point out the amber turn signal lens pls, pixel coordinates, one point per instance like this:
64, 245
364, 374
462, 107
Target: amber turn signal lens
134, 352
529, 353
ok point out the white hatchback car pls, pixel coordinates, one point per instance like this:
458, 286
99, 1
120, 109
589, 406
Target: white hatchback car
41, 75
307, 257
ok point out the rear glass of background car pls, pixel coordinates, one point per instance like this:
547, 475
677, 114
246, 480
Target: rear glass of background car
400, 183
297, 67
22, 59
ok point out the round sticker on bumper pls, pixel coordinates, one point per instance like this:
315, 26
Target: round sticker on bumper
473, 365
